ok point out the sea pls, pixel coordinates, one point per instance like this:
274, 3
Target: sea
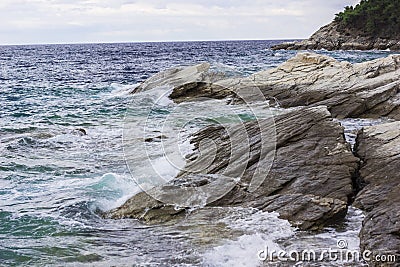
62, 160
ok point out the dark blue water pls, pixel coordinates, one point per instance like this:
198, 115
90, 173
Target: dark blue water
54, 180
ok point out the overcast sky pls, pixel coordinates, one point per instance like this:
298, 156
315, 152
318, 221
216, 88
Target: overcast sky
81, 21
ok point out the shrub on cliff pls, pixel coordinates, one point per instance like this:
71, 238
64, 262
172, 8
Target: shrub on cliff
378, 18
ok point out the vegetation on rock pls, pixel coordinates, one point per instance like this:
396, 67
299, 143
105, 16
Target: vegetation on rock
380, 18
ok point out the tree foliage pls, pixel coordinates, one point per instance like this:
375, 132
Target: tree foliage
380, 18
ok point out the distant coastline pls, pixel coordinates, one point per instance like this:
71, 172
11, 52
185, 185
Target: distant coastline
329, 37
370, 25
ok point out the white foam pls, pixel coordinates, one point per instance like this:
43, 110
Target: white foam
120, 90
165, 168
262, 230
267, 223
112, 190
353, 223
241, 252
159, 95
163, 92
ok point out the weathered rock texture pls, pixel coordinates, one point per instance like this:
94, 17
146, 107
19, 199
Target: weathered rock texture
369, 89
310, 181
379, 148
333, 37
186, 82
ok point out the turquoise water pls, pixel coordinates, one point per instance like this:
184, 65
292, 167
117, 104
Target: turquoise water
54, 181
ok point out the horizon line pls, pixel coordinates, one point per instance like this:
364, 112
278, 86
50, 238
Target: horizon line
157, 41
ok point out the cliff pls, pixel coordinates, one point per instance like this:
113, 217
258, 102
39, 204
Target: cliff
372, 24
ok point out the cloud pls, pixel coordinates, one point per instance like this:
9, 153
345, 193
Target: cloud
58, 21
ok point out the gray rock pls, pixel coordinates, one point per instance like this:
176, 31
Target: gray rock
187, 82
369, 89
310, 181
175, 77
331, 37
79, 132
147, 207
379, 148
157, 138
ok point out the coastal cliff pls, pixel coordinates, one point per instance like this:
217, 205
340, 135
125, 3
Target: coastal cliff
369, 25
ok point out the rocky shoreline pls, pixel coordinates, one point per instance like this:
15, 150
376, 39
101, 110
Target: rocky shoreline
315, 175
332, 37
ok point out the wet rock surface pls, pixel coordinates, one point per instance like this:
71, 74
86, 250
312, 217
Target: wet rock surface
309, 183
379, 149
313, 175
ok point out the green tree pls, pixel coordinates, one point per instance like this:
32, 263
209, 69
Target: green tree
378, 18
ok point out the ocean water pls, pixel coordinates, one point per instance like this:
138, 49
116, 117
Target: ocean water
54, 180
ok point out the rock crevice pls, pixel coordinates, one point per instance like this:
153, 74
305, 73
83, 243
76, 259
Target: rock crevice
379, 149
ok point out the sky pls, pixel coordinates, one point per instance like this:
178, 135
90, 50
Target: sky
97, 21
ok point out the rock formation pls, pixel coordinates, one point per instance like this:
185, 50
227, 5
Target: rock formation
331, 37
314, 175
379, 149
185, 81
371, 24
369, 89
310, 182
